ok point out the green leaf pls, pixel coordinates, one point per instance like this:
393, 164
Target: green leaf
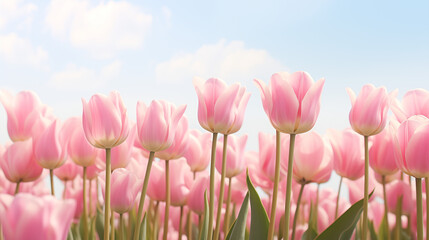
204, 230
238, 229
309, 234
345, 225
259, 219
382, 234
371, 228
143, 227
99, 223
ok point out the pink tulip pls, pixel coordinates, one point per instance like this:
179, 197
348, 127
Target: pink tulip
121, 155
396, 190
125, 187
259, 168
30, 217
411, 146
414, 102
235, 161
157, 124
381, 156
26, 116
74, 191
220, 107
68, 171
369, 110
156, 184
356, 188
291, 101
348, 154
311, 164
50, 150
105, 120
196, 194
19, 163
79, 149
198, 146
179, 145
267, 156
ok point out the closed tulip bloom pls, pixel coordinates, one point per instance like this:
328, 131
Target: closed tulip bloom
50, 151
196, 194
121, 155
356, 188
198, 146
399, 189
368, 115
235, 160
411, 146
19, 163
220, 107
156, 185
105, 120
27, 117
291, 101
381, 156
31, 217
311, 164
414, 102
79, 149
68, 171
267, 156
74, 191
348, 154
157, 124
180, 142
124, 186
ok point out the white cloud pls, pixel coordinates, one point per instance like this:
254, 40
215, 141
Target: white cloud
103, 30
231, 61
17, 50
74, 77
166, 12
15, 10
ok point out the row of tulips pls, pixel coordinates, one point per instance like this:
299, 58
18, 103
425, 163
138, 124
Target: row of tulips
149, 179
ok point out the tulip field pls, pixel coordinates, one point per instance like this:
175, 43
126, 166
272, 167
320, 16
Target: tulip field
155, 178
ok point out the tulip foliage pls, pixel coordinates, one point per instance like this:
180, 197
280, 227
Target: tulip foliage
155, 178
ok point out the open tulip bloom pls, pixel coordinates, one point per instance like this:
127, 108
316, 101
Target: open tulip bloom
153, 180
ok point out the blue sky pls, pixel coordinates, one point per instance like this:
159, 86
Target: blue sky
64, 50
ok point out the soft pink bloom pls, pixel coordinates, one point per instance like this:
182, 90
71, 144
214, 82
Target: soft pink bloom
381, 156
312, 159
180, 142
196, 194
121, 155
44, 218
369, 110
291, 101
74, 191
257, 173
105, 120
235, 160
124, 186
267, 156
411, 146
19, 163
396, 190
348, 154
356, 188
220, 107
79, 149
26, 115
376, 214
414, 102
50, 150
157, 124
68, 171
199, 144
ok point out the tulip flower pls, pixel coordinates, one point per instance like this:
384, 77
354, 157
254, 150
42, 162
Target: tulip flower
38, 218
68, 171
27, 117
199, 145
292, 104
106, 125
414, 102
196, 194
157, 126
19, 163
179, 145
235, 162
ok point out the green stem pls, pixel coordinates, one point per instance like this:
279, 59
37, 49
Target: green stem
222, 187
51, 177
289, 187
338, 197
427, 206
398, 215
180, 222
143, 195
90, 199
419, 209
17, 187
200, 225
212, 182
121, 227
189, 222
228, 203
167, 199
112, 224
155, 221
295, 218
85, 211
365, 197
386, 211
107, 196
275, 189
